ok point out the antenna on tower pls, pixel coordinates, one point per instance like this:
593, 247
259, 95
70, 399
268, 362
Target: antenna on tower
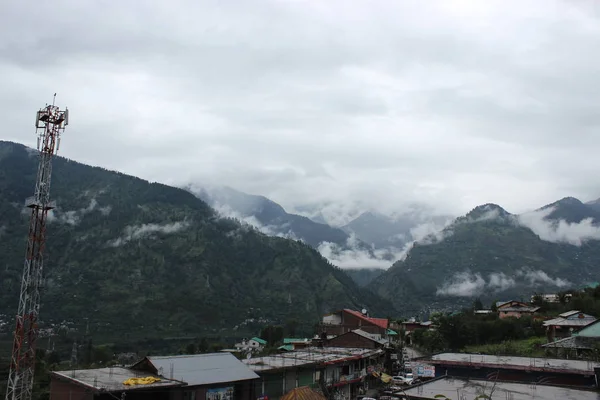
50, 122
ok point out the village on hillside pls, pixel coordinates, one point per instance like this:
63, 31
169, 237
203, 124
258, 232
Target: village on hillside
356, 356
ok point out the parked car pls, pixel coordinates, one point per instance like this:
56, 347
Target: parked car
403, 379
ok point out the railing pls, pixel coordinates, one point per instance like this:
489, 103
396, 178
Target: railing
344, 378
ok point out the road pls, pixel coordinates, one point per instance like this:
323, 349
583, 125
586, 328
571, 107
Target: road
412, 353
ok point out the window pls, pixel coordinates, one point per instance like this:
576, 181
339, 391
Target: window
189, 395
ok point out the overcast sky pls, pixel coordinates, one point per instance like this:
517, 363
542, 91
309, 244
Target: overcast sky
450, 103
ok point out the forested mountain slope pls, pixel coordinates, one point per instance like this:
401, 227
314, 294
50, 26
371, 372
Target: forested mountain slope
128, 255
495, 255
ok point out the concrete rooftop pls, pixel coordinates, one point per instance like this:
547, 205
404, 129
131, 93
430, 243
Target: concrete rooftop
307, 356
469, 389
111, 379
522, 363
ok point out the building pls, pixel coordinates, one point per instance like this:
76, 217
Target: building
458, 388
290, 344
552, 298
202, 376
253, 345
347, 320
515, 309
326, 368
357, 339
584, 343
566, 324
517, 369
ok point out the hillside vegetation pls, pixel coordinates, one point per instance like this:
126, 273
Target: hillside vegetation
496, 255
137, 258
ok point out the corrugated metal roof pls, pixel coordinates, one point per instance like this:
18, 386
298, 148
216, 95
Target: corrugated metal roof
592, 330
577, 322
568, 313
203, 369
366, 335
303, 393
259, 340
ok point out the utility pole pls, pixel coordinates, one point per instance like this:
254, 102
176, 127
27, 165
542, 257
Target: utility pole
49, 123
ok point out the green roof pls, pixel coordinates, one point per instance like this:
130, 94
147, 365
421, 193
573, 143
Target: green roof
286, 347
592, 330
392, 332
293, 340
259, 340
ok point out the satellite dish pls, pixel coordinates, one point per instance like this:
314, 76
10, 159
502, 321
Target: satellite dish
248, 356
364, 311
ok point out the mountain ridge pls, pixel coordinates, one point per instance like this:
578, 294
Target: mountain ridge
121, 248
491, 253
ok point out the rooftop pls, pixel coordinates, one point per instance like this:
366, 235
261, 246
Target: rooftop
519, 363
111, 379
307, 356
259, 340
202, 369
470, 389
367, 335
576, 319
380, 322
575, 342
295, 340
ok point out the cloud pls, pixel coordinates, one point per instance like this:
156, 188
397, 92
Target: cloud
354, 256
449, 103
463, 284
559, 231
135, 232
282, 230
73, 217
537, 277
425, 234
468, 284
500, 282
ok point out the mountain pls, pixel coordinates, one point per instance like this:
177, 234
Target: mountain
364, 276
269, 217
571, 210
492, 254
380, 230
397, 229
140, 259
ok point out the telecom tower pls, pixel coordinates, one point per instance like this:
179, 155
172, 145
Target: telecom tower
49, 123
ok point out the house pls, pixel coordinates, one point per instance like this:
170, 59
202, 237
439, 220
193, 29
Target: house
584, 342
551, 298
348, 320
253, 345
515, 309
187, 377
357, 339
566, 324
327, 368
290, 344
412, 325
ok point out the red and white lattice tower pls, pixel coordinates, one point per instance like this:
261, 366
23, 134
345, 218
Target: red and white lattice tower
49, 124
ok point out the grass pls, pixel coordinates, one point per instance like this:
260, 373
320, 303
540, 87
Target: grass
526, 348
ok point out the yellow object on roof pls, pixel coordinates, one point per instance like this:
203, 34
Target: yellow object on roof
141, 381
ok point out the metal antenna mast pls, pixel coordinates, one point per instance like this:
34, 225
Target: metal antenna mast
49, 123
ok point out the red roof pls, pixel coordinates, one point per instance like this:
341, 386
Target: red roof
380, 322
